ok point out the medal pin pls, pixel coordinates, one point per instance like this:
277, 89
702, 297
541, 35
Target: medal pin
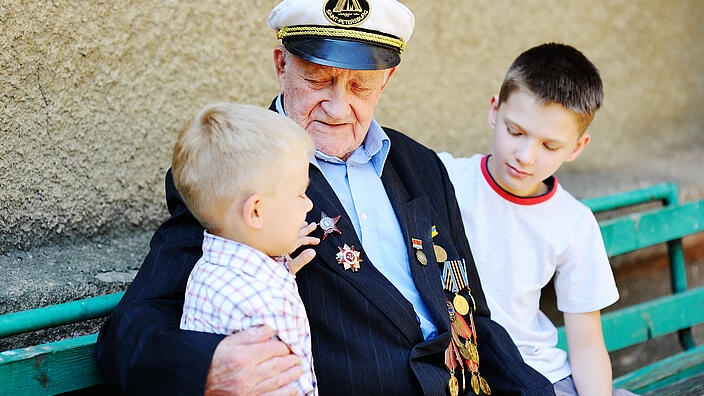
418, 245
328, 224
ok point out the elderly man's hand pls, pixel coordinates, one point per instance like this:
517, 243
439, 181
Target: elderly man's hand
251, 363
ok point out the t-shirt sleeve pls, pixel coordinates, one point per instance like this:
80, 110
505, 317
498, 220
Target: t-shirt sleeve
457, 169
584, 281
450, 163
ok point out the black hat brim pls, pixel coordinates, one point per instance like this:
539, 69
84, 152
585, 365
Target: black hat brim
343, 54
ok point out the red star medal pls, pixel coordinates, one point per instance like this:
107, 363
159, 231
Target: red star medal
328, 224
349, 258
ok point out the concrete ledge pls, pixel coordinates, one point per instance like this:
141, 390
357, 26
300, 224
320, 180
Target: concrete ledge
67, 272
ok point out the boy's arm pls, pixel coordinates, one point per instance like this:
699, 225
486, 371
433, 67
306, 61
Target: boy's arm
591, 367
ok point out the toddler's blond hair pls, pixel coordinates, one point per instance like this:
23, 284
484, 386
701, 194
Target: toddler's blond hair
229, 150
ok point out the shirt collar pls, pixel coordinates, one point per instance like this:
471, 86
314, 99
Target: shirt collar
247, 259
375, 146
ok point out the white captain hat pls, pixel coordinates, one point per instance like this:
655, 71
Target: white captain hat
349, 34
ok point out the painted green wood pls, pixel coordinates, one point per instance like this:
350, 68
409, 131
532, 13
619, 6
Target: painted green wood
664, 191
49, 369
664, 372
635, 324
628, 233
692, 386
59, 314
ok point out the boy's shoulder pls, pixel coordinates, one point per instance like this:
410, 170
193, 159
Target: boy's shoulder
458, 166
569, 202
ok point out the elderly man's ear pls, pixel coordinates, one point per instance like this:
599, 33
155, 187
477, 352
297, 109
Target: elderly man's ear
279, 60
389, 73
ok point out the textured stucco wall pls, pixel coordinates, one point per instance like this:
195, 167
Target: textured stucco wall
93, 92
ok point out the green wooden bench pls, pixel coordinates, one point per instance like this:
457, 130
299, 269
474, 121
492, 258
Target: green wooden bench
69, 364
55, 367
677, 312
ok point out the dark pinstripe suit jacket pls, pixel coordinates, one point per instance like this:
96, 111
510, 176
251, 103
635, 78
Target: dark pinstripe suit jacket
366, 339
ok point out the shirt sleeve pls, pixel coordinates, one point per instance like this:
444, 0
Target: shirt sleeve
583, 278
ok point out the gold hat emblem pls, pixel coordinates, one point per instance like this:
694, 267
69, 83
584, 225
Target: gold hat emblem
346, 12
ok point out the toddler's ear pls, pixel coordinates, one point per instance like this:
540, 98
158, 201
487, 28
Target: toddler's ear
581, 144
252, 212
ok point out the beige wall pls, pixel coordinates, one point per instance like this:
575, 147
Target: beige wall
93, 92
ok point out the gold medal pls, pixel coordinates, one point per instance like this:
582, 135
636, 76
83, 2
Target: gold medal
473, 352
454, 386
484, 385
461, 305
475, 383
440, 253
421, 257
461, 348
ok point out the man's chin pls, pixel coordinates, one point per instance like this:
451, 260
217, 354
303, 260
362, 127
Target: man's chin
330, 148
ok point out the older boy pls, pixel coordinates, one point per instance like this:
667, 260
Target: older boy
243, 172
523, 228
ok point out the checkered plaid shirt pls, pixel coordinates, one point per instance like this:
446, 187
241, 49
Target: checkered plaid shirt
233, 287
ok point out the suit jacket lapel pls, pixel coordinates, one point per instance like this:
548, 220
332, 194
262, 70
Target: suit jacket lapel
370, 283
413, 214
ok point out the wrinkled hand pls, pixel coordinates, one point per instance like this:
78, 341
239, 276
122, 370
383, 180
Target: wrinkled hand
307, 255
251, 363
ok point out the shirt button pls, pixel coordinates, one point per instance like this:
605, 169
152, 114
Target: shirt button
363, 216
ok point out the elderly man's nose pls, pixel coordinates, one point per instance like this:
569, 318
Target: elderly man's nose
336, 105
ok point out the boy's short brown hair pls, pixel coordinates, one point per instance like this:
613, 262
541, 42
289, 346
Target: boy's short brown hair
231, 150
557, 73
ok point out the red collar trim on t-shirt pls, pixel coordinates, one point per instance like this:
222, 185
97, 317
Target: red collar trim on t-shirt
550, 181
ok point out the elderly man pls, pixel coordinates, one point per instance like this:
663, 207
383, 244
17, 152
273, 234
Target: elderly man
392, 294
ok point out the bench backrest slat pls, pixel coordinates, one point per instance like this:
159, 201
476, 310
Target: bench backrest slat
660, 192
638, 323
625, 234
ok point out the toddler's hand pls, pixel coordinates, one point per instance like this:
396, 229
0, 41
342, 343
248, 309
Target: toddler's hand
307, 255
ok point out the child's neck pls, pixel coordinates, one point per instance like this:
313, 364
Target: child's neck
237, 235
541, 189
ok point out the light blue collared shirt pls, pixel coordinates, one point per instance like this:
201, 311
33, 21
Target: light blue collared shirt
357, 184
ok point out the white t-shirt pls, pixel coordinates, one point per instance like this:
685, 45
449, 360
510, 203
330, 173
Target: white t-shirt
518, 244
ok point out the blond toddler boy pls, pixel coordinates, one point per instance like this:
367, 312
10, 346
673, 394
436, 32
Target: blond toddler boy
524, 228
242, 171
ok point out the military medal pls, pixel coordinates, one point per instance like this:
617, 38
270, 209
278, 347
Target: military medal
328, 224
450, 363
440, 253
454, 278
421, 257
451, 311
460, 304
349, 258
473, 352
475, 383
484, 385
418, 245
453, 385
463, 340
